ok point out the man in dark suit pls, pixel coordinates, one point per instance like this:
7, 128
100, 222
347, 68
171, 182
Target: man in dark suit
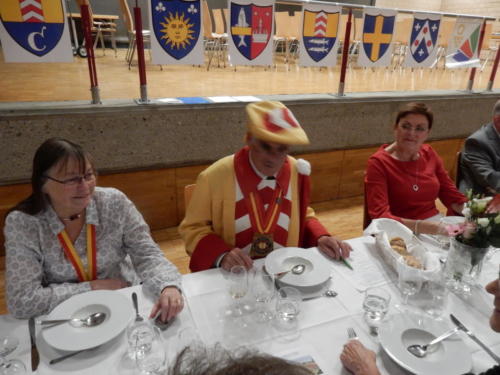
480, 160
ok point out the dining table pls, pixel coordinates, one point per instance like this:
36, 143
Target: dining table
321, 330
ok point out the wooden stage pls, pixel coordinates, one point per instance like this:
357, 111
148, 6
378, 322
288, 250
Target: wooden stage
70, 81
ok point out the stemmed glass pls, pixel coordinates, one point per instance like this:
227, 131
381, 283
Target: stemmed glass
7, 345
409, 280
238, 288
151, 360
263, 293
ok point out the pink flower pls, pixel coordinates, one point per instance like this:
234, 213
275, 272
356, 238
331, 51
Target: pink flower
469, 230
455, 229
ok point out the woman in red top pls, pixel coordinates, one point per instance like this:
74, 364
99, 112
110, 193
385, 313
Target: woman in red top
404, 179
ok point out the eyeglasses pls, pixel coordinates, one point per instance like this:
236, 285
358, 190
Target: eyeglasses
418, 128
89, 177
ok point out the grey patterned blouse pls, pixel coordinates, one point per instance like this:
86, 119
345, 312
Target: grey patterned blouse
39, 276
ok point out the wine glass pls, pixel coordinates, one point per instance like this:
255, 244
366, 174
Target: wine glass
409, 280
139, 336
288, 307
376, 305
151, 360
263, 294
238, 288
7, 345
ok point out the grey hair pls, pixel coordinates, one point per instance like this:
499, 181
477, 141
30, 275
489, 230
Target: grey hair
198, 360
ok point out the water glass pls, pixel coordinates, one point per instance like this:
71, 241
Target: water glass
238, 288
139, 336
438, 292
409, 280
288, 307
12, 367
376, 305
263, 294
151, 360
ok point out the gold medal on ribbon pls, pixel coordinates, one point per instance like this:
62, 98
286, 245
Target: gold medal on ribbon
262, 244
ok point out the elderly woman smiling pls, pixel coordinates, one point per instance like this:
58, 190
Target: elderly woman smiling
404, 179
70, 236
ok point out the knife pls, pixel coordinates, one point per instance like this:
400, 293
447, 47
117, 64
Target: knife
35, 357
473, 337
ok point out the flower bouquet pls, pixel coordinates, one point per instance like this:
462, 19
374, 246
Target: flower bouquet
471, 240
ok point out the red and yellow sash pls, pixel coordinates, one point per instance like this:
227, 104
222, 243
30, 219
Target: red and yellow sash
83, 274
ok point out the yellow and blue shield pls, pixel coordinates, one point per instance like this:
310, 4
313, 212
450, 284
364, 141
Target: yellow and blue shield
36, 25
177, 25
319, 33
377, 35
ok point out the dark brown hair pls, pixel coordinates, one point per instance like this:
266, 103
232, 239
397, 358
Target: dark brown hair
50, 153
218, 361
415, 108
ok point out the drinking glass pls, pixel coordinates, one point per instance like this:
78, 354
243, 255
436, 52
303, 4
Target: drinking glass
263, 294
409, 280
139, 336
151, 360
376, 305
238, 288
7, 345
436, 287
288, 307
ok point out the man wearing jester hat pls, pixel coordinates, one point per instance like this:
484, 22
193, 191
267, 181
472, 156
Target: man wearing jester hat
248, 204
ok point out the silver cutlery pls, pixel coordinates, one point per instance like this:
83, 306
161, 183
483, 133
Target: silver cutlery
473, 337
327, 293
421, 351
352, 333
35, 356
298, 269
69, 355
138, 317
89, 321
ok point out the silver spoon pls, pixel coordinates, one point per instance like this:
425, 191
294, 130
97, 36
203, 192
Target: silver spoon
138, 318
296, 270
90, 321
420, 351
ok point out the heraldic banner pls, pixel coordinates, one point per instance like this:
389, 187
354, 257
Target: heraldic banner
35, 31
463, 46
423, 40
320, 25
251, 29
176, 32
377, 38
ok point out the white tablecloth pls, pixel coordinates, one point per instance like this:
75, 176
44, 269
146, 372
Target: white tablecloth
323, 321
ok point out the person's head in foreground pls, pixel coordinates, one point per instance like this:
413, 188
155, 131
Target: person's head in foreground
360, 360
496, 115
271, 130
196, 360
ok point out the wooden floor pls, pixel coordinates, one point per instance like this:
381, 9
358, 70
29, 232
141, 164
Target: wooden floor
70, 81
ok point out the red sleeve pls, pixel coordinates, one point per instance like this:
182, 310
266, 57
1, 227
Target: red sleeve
377, 197
208, 249
312, 231
448, 192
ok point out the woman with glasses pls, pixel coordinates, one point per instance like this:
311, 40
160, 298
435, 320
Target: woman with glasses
404, 179
69, 237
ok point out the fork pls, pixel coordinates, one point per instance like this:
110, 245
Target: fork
352, 333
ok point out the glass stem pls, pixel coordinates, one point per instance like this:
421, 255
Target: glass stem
405, 300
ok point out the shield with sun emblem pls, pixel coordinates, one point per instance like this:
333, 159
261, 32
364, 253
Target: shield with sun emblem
177, 26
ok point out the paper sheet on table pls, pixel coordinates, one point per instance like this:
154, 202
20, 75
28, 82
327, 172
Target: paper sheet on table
369, 269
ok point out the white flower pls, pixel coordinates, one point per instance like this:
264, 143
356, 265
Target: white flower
483, 222
304, 167
466, 212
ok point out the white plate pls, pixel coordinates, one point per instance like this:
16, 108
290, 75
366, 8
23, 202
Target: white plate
403, 330
317, 267
66, 337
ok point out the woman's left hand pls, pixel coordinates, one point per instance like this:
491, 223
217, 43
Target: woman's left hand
169, 304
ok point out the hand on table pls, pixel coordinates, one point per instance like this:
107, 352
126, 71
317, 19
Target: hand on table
169, 304
109, 284
358, 359
236, 257
494, 205
333, 247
